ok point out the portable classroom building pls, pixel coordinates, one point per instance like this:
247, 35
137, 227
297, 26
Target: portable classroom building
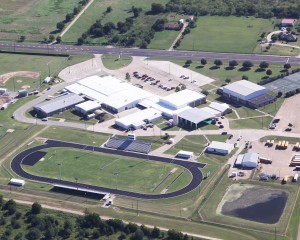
184, 154
17, 182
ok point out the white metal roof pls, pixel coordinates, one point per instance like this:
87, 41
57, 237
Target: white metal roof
221, 107
88, 105
183, 97
195, 115
139, 116
59, 103
243, 87
247, 158
211, 111
185, 153
221, 146
18, 181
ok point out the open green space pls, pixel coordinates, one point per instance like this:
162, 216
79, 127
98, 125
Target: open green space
163, 40
251, 123
113, 62
75, 135
40, 64
194, 144
226, 34
107, 170
120, 11
277, 50
31, 18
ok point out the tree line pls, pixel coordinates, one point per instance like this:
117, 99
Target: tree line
35, 223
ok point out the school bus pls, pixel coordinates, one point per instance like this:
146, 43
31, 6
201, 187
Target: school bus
265, 160
286, 144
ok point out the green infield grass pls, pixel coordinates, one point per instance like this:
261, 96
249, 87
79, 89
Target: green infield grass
226, 34
113, 62
111, 171
33, 19
41, 64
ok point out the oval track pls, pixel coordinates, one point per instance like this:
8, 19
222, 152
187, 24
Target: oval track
193, 167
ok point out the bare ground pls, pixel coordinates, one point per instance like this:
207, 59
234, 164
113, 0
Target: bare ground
5, 77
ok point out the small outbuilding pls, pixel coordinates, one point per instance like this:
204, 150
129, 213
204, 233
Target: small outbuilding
223, 108
47, 80
184, 154
248, 160
17, 182
288, 22
221, 148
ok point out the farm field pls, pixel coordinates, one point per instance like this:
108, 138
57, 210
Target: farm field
39, 64
120, 11
226, 34
34, 19
109, 170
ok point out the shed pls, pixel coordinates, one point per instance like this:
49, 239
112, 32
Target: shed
223, 108
17, 182
184, 154
288, 22
220, 148
47, 80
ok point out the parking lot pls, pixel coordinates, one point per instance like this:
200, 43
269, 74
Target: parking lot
281, 159
162, 77
289, 113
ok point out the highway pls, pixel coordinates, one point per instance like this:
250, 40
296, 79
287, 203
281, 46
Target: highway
194, 55
193, 167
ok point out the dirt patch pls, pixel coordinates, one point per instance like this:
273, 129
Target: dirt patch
19, 81
25, 87
5, 77
255, 203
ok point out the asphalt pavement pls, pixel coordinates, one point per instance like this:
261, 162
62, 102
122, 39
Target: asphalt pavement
193, 167
194, 55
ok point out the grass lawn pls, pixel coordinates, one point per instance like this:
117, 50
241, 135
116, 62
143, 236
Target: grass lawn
31, 18
36, 63
120, 11
75, 135
226, 34
243, 112
114, 62
163, 40
108, 170
277, 50
189, 143
251, 123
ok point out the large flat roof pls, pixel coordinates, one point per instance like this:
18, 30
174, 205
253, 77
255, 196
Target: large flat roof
195, 115
88, 105
59, 103
183, 97
243, 87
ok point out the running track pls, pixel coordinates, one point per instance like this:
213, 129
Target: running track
193, 167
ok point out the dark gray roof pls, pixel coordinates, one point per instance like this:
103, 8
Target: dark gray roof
58, 103
195, 115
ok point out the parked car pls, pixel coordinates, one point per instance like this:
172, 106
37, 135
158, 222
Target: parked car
44, 119
272, 126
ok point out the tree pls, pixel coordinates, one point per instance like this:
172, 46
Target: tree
127, 77
60, 26
155, 232
264, 65
279, 94
227, 80
145, 230
58, 39
203, 61
108, 9
269, 72
33, 234
69, 17
157, 8
247, 64
159, 25
22, 38
218, 62
1, 201
287, 66
138, 235
244, 77
188, 62
274, 37
174, 235
205, 92
80, 41
10, 206
51, 38
36, 208
233, 63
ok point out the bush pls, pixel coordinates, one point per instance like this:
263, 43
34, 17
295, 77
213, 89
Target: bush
203, 61
269, 72
218, 62
36, 208
233, 63
264, 65
247, 64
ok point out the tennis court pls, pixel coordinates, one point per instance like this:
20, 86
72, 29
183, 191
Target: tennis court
284, 85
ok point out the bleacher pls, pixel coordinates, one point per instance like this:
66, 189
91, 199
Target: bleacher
128, 145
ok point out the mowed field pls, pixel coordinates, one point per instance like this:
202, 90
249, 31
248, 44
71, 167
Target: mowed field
35, 63
34, 19
226, 34
120, 11
111, 171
